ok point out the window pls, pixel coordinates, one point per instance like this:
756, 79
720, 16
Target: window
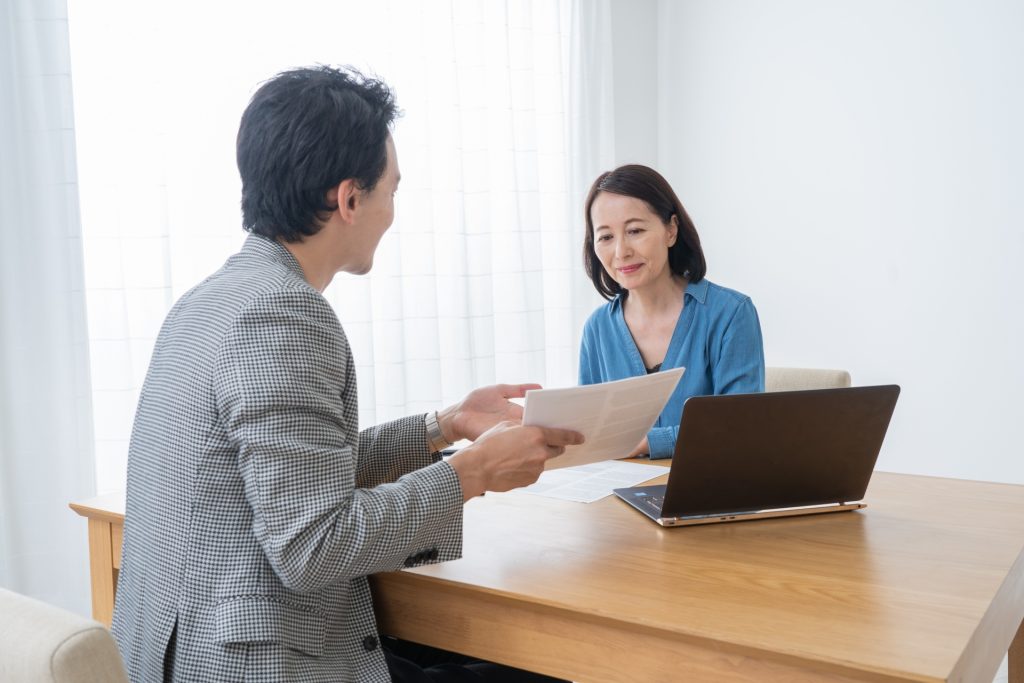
472, 284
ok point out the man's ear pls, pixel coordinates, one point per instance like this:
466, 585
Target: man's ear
347, 196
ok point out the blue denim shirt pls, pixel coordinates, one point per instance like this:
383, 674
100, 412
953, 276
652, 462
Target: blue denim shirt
717, 339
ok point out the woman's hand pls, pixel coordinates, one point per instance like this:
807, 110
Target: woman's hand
481, 409
642, 448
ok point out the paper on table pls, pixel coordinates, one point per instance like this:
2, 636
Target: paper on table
612, 416
589, 483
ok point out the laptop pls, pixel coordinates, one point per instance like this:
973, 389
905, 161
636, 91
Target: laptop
778, 454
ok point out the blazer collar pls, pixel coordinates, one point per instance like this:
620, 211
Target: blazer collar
264, 248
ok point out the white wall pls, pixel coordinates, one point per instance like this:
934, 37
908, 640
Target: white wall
857, 168
635, 81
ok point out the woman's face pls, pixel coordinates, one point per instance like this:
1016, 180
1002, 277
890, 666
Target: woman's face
631, 241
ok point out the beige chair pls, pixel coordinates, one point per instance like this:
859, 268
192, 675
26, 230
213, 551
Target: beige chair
795, 379
40, 643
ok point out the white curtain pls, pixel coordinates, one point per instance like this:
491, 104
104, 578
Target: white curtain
46, 457
591, 115
478, 281
471, 286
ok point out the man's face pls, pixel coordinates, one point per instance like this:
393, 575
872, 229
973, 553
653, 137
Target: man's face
375, 211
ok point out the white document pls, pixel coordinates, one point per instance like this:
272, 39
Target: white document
589, 483
612, 416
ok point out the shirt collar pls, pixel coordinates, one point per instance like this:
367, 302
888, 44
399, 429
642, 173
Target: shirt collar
697, 290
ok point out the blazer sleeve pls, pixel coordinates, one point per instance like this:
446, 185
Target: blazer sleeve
286, 397
390, 450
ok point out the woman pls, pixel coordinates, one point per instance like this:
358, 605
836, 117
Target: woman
643, 254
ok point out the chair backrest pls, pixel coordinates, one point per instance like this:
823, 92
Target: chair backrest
796, 379
40, 643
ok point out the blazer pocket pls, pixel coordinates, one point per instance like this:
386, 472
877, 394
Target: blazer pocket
259, 619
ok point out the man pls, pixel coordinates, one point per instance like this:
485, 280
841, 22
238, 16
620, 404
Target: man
255, 507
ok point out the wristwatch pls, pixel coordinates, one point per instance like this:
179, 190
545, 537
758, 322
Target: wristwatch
434, 433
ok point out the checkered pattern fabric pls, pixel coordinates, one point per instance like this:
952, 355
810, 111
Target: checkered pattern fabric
255, 507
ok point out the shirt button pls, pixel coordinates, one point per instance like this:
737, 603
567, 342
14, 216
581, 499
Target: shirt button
370, 643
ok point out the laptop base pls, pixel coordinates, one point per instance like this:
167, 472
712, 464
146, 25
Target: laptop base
647, 500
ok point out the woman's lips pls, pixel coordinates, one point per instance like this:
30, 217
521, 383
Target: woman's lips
628, 270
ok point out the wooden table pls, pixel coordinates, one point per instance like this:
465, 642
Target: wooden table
106, 533
926, 584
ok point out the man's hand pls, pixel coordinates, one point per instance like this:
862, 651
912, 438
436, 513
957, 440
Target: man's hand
482, 409
508, 456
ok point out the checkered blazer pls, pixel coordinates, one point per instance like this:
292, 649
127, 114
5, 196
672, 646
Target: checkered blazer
255, 506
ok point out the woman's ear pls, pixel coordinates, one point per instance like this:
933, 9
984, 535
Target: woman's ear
673, 230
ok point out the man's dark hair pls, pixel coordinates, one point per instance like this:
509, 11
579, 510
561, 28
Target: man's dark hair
304, 132
685, 257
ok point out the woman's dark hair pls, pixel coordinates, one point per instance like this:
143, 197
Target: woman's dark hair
685, 257
304, 132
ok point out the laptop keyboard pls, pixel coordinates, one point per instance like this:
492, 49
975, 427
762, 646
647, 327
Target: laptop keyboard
653, 502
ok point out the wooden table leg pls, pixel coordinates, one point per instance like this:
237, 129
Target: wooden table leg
101, 569
1016, 667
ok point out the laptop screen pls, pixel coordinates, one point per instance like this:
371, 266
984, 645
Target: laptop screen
743, 452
